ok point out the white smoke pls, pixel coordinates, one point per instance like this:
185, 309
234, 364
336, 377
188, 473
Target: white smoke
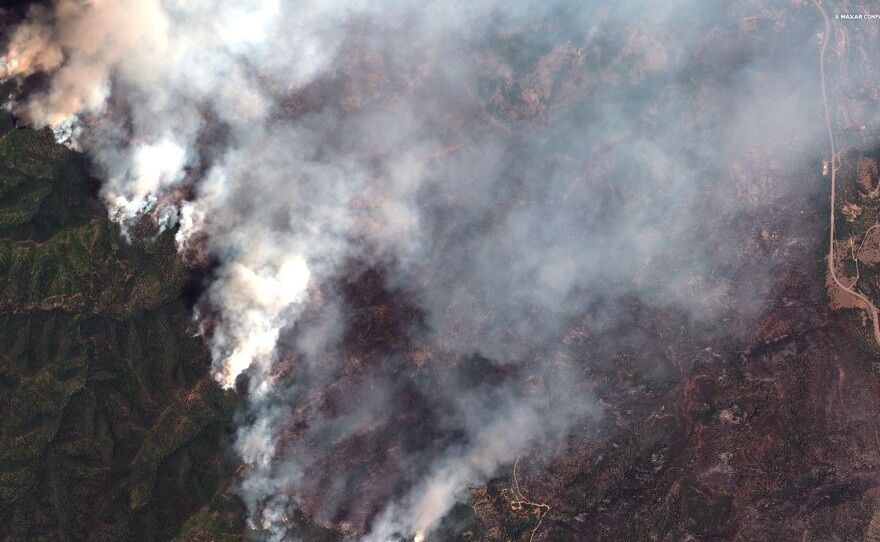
485, 206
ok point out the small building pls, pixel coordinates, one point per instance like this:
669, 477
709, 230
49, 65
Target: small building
824, 167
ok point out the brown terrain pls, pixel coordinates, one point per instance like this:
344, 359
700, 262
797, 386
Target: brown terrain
762, 428
754, 420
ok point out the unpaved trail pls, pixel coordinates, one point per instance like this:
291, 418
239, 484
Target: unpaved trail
521, 500
834, 166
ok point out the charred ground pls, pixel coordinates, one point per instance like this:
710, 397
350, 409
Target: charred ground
758, 422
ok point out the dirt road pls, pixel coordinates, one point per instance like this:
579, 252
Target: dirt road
834, 166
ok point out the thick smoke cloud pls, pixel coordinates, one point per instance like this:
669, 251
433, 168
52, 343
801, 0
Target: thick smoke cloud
507, 169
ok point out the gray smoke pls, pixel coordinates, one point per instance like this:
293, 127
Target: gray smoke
502, 169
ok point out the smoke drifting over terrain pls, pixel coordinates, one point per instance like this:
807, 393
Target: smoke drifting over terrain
415, 209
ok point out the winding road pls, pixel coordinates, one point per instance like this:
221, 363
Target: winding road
521, 500
834, 166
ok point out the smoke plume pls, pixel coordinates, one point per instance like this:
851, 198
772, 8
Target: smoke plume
412, 211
